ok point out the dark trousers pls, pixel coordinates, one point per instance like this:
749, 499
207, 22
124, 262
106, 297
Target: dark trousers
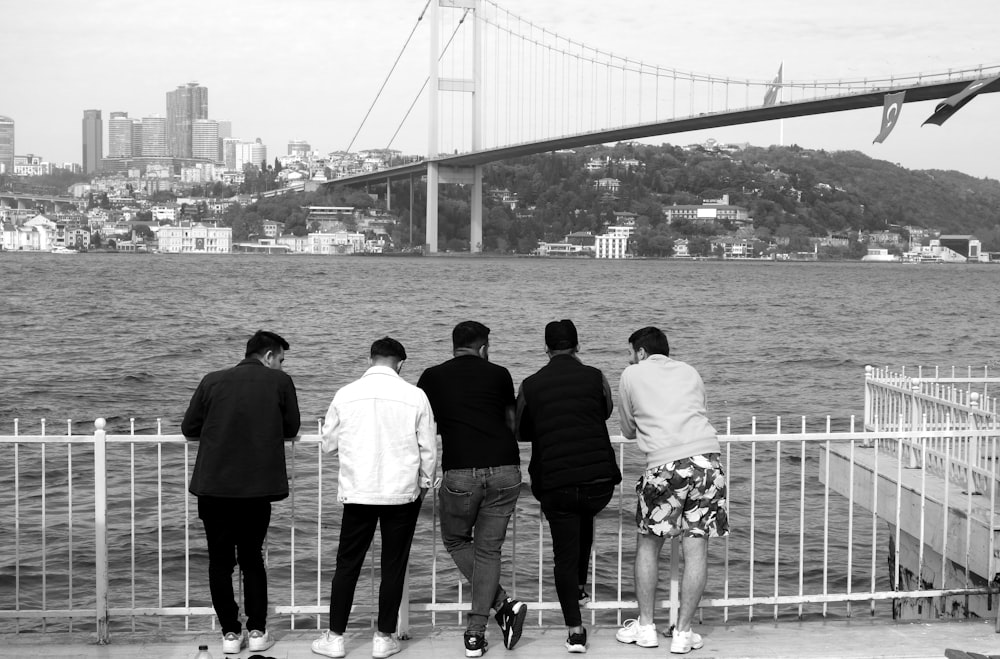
357, 529
235, 530
570, 512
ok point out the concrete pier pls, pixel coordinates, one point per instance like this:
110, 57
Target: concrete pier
819, 639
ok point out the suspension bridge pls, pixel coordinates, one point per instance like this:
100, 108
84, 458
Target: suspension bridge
500, 87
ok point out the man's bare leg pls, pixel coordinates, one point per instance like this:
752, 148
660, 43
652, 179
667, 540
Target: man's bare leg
693, 580
647, 564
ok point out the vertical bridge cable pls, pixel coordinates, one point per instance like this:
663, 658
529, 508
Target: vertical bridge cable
386, 81
423, 86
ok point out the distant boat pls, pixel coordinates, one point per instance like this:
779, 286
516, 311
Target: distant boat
879, 254
63, 250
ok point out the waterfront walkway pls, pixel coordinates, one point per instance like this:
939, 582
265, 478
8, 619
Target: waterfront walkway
821, 639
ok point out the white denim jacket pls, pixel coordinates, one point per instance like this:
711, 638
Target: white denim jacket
383, 428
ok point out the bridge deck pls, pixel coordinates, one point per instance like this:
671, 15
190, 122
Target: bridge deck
843, 639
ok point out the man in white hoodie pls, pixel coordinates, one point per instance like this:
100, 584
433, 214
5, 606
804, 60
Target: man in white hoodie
682, 491
383, 429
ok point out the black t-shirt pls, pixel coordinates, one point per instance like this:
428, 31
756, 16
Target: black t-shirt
470, 397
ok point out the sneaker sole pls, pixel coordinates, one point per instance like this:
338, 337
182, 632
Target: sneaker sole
655, 644
475, 653
329, 653
576, 649
261, 647
383, 655
515, 629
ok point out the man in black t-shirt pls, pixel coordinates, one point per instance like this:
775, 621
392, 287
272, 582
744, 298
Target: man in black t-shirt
473, 403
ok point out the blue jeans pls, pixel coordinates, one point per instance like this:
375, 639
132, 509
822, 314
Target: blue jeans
476, 505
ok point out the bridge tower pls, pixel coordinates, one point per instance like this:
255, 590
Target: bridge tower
437, 174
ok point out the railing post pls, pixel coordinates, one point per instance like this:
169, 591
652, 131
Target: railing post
915, 418
675, 583
869, 422
101, 530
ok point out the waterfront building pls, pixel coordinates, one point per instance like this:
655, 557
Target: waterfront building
93, 141
120, 135
341, 242
6, 145
36, 235
205, 140
614, 243
195, 239
154, 136
185, 105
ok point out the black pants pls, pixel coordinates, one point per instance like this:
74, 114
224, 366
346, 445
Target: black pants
235, 530
570, 512
397, 524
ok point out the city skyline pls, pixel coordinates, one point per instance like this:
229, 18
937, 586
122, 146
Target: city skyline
316, 81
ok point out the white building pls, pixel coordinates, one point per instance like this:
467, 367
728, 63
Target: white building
195, 239
341, 242
38, 234
614, 243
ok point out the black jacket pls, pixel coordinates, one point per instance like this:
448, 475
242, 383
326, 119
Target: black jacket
562, 412
242, 415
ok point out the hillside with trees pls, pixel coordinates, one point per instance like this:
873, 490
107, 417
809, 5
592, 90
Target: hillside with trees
791, 193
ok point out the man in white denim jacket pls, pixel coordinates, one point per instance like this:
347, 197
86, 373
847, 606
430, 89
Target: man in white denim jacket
383, 429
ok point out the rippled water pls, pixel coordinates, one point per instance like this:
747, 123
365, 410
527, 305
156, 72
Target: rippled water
125, 336
129, 336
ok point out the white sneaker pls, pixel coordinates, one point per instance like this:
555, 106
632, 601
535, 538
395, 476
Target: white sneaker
642, 635
260, 641
383, 647
329, 645
233, 643
684, 642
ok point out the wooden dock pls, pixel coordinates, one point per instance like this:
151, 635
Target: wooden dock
819, 639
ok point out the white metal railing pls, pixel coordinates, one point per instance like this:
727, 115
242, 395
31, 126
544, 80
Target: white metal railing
100, 528
955, 404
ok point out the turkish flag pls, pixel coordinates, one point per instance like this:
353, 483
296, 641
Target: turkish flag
890, 114
953, 104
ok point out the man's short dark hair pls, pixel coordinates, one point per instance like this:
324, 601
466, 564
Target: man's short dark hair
388, 347
652, 339
263, 341
470, 334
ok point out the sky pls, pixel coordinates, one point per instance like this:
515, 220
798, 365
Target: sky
310, 69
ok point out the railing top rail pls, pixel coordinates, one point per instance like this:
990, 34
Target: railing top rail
778, 436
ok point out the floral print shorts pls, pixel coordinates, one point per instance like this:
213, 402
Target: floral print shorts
684, 497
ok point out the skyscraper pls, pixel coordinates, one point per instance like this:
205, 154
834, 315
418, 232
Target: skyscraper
154, 136
93, 141
136, 137
185, 104
205, 140
6, 145
119, 135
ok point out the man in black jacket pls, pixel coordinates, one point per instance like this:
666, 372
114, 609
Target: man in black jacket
241, 417
562, 410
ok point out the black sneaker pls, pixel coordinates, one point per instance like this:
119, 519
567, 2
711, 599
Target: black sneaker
577, 643
475, 644
510, 617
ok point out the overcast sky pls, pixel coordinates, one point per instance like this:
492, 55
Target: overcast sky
309, 69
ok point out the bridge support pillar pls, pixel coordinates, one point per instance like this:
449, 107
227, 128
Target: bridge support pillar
476, 228
431, 221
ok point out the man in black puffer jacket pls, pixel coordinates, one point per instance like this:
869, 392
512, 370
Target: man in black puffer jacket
562, 410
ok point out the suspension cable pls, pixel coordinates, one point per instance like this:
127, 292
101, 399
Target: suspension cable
427, 79
386, 81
